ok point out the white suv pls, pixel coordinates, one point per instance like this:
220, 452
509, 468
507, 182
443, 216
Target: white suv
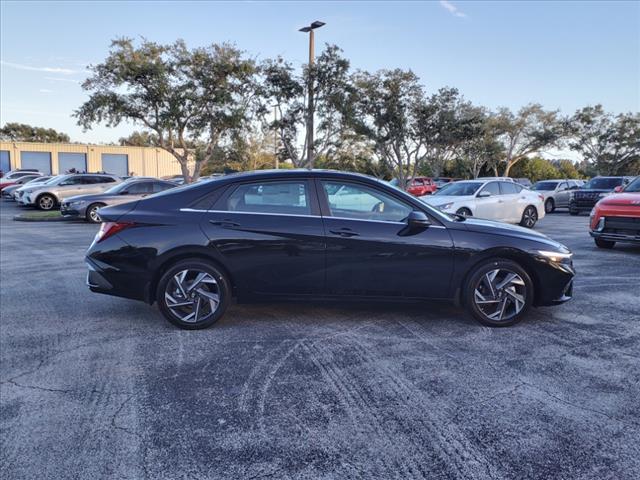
47, 196
501, 200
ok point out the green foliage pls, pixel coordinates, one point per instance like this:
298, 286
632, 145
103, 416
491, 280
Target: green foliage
21, 132
610, 144
186, 98
537, 168
139, 139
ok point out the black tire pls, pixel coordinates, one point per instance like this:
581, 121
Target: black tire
549, 205
46, 202
92, 214
476, 278
529, 217
573, 212
222, 289
465, 212
601, 243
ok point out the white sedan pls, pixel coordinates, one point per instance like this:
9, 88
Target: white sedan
491, 199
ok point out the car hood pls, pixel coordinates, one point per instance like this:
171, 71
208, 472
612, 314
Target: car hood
588, 191
622, 199
500, 228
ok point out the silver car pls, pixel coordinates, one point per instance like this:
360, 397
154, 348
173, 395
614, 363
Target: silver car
87, 206
49, 195
556, 193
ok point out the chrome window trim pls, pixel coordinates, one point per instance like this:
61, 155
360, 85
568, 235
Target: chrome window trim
298, 215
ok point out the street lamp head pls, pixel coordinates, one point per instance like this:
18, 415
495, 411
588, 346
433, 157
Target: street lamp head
313, 26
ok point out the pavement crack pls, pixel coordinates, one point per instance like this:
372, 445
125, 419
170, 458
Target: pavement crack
139, 436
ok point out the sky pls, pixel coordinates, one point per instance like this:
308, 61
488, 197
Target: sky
564, 55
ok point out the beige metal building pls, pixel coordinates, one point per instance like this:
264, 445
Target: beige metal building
58, 158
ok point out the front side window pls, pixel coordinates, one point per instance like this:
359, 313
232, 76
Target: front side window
139, 188
161, 186
509, 188
289, 198
492, 187
348, 200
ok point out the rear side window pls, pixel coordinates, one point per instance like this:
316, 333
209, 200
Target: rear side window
271, 197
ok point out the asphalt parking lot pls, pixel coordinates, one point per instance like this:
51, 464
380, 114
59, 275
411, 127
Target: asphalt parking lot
99, 387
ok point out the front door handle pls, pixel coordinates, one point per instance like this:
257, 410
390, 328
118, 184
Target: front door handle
224, 223
344, 232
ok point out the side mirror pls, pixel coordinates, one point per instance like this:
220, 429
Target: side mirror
418, 220
618, 189
484, 194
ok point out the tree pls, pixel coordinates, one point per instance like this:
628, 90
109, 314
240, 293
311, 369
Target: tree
21, 132
446, 123
536, 168
283, 88
610, 144
529, 131
385, 108
139, 139
481, 150
189, 99
566, 168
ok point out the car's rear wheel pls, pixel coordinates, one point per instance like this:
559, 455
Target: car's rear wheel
92, 213
549, 205
465, 212
498, 293
193, 294
601, 243
46, 202
529, 217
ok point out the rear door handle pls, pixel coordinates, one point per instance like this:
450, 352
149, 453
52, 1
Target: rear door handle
224, 223
344, 232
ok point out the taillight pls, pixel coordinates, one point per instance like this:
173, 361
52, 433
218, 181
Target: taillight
108, 229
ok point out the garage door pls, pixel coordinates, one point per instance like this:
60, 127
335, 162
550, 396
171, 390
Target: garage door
116, 164
75, 161
5, 161
38, 160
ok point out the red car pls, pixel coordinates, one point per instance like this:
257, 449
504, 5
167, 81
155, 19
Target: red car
616, 218
17, 180
420, 186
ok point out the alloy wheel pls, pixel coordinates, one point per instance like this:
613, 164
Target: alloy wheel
500, 294
46, 202
93, 214
529, 217
192, 295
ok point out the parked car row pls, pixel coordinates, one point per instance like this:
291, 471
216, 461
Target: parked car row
80, 195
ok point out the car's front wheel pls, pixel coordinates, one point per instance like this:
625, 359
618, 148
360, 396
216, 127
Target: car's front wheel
529, 217
92, 213
601, 243
465, 212
46, 202
498, 292
193, 294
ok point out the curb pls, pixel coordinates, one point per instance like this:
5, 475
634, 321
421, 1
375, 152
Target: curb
19, 218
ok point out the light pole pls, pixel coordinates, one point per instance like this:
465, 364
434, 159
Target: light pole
310, 29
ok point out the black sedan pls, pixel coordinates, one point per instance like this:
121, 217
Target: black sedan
317, 234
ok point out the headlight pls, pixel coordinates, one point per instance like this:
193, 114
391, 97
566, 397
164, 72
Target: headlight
445, 206
604, 194
592, 213
556, 256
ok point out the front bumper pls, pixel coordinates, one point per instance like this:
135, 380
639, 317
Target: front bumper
616, 237
67, 211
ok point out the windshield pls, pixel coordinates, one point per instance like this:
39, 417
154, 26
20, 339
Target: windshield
603, 183
545, 186
460, 189
633, 187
